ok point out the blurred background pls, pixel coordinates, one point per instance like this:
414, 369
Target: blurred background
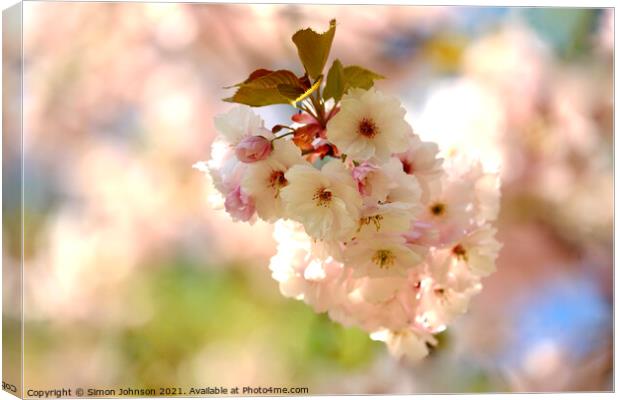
133, 279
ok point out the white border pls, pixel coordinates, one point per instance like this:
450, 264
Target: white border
527, 3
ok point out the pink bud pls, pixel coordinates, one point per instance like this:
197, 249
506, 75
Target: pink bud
239, 205
253, 148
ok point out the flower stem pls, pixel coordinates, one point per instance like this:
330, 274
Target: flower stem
332, 111
307, 110
292, 132
320, 109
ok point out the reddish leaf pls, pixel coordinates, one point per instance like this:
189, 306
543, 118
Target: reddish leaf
305, 135
327, 149
257, 74
261, 88
272, 79
305, 81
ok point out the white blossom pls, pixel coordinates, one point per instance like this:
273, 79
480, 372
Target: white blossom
302, 273
421, 161
478, 250
325, 201
405, 343
266, 179
381, 256
369, 125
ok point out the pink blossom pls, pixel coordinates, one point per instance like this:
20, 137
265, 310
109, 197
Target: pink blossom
359, 175
422, 233
253, 148
239, 205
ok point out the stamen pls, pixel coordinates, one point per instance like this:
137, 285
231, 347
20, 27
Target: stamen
323, 197
384, 259
277, 181
375, 219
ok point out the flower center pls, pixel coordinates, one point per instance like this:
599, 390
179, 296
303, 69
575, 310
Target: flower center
460, 252
322, 197
384, 258
438, 209
277, 181
367, 128
440, 292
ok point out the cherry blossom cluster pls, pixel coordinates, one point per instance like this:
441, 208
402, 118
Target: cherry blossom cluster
372, 226
378, 232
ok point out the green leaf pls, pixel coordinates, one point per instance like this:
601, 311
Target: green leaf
335, 84
296, 94
290, 92
310, 90
313, 48
358, 77
272, 79
340, 80
256, 97
262, 88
